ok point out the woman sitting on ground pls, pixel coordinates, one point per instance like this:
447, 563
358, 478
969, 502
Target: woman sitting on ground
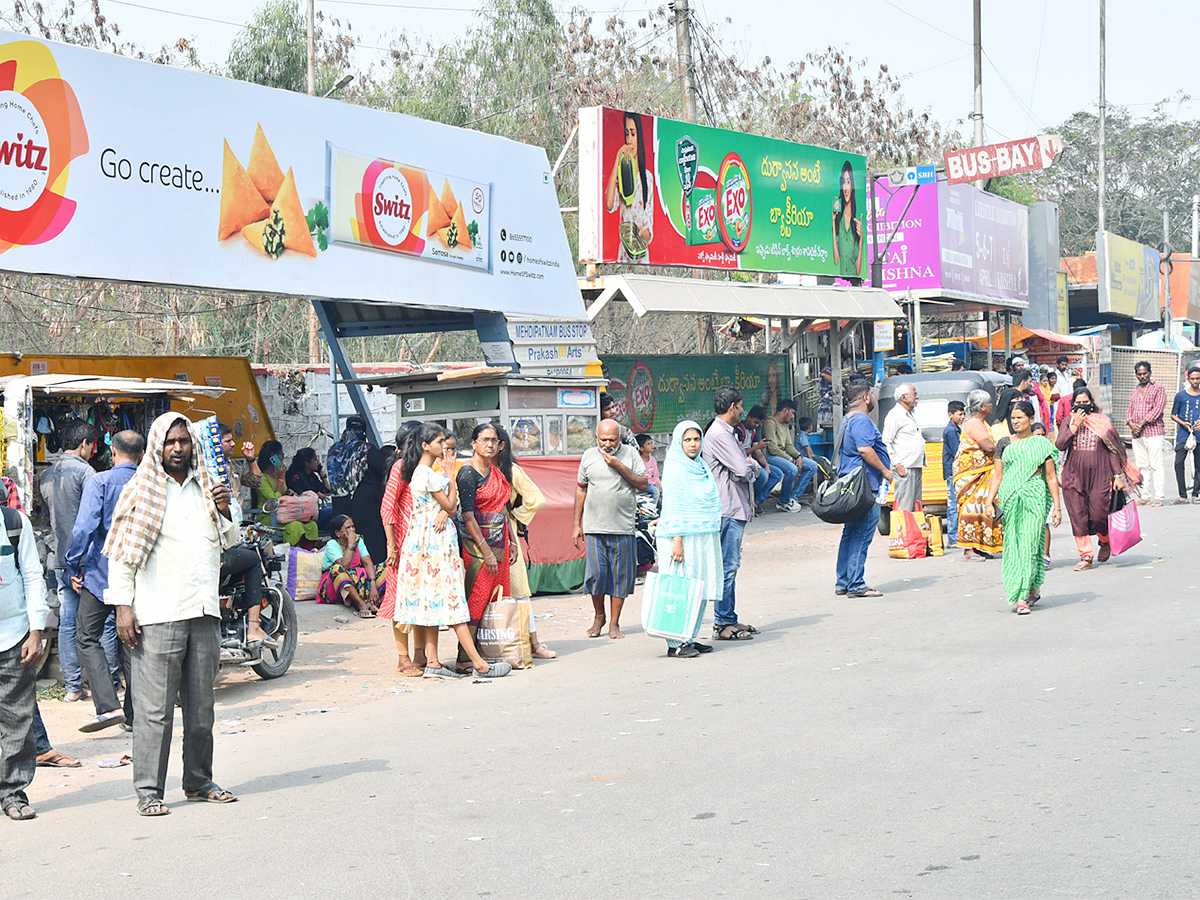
350, 576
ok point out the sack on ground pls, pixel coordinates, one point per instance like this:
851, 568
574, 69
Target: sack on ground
297, 509
504, 633
304, 573
907, 540
670, 606
1124, 529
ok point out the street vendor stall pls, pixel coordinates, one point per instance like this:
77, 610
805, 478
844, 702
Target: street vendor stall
551, 421
35, 406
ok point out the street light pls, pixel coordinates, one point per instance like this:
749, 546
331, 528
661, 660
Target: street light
341, 83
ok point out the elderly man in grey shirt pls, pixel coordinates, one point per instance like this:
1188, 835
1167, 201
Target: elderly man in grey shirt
735, 474
610, 475
906, 447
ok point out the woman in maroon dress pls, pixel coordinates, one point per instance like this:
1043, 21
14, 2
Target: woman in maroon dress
1096, 466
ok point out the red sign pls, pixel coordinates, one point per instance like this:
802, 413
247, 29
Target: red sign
1008, 158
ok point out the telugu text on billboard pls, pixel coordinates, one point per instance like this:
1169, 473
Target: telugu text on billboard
125, 170
661, 192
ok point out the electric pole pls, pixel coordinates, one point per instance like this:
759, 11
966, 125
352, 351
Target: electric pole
314, 327
683, 39
687, 87
977, 113
1100, 168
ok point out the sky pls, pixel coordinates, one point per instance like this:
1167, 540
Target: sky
1041, 57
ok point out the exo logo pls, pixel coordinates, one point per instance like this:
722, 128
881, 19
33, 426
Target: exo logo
41, 132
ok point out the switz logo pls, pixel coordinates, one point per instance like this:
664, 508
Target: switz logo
41, 131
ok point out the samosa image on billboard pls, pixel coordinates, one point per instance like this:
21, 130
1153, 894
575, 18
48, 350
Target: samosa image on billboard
401, 208
660, 192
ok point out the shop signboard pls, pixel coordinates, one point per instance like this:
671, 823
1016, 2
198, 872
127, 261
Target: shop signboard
908, 217
654, 393
953, 238
1062, 304
552, 348
1128, 278
662, 192
114, 168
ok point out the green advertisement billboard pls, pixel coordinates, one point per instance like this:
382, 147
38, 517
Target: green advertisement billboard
654, 393
663, 192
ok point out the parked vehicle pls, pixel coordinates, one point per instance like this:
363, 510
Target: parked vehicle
277, 618
936, 390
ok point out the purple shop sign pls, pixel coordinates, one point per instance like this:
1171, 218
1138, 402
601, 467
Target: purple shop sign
1001, 247
911, 261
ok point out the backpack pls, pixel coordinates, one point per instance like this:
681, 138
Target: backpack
14, 527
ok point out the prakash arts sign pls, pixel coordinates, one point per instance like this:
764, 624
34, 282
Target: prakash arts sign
113, 168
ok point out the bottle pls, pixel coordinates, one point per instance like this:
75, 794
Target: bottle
881, 497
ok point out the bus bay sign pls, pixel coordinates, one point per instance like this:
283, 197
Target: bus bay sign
1008, 158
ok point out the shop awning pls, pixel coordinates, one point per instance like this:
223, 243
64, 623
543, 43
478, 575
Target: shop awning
1020, 334
111, 386
690, 296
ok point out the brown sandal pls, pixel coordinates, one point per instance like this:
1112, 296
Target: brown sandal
1085, 562
1105, 553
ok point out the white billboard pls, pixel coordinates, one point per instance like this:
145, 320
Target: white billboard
117, 169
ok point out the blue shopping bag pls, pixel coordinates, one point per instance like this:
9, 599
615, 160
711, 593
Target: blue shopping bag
670, 606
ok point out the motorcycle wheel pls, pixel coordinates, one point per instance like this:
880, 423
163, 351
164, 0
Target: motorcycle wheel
278, 619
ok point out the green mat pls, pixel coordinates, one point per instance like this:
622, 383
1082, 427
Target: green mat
557, 578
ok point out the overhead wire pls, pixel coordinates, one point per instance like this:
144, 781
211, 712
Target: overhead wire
1038, 61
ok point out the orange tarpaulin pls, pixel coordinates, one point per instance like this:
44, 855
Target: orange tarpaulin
1020, 334
550, 531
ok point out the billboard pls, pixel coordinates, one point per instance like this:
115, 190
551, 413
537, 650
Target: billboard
1128, 282
657, 191
654, 393
953, 238
113, 168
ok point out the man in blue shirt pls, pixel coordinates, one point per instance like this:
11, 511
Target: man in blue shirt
1185, 412
950, 438
23, 614
861, 445
87, 567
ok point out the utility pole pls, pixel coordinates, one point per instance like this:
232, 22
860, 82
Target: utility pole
1167, 266
687, 87
977, 113
1103, 114
314, 327
683, 40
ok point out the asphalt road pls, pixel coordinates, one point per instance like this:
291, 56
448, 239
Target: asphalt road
927, 744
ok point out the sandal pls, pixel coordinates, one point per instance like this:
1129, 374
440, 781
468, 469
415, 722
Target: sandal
1022, 608
213, 795
749, 628
153, 807
1105, 553
19, 812
736, 633
544, 652
867, 592
55, 760
1085, 562
410, 671
75, 696
1032, 600
364, 614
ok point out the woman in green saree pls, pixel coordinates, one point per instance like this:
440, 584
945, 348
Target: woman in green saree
1026, 485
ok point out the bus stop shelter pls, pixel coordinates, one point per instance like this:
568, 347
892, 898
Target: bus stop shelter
795, 306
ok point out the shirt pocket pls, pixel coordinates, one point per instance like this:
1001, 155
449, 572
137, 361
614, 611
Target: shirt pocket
8, 564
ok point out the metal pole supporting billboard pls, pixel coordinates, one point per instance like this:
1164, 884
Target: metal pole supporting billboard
977, 114
314, 327
1100, 166
1166, 267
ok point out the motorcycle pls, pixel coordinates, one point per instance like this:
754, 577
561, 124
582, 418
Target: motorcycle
277, 617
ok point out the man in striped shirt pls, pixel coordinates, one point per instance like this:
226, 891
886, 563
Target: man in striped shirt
1145, 419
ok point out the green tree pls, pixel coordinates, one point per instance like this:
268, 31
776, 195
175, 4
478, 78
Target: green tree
273, 48
1152, 164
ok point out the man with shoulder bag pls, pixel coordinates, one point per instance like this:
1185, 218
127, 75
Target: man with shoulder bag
861, 446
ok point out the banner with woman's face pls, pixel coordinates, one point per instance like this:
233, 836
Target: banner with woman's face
661, 192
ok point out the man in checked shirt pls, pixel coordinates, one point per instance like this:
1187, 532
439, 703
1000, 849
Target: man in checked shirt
1145, 419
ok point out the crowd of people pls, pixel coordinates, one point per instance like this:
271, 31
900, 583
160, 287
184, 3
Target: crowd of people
428, 538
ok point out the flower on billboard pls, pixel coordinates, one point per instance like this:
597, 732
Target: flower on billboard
41, 132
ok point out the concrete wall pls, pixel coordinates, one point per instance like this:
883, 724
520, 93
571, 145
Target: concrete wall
300, 406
